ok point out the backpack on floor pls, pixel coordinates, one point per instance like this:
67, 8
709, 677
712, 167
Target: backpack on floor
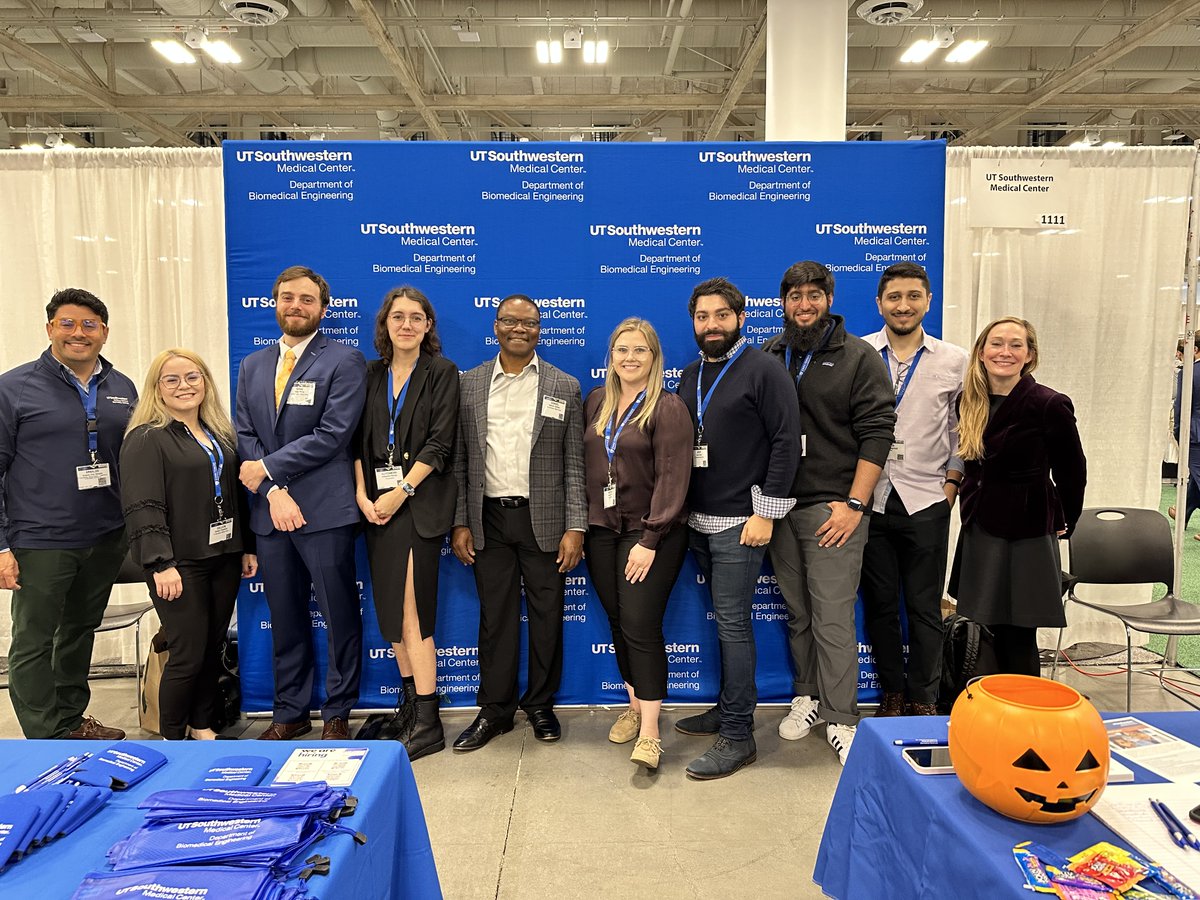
967, 653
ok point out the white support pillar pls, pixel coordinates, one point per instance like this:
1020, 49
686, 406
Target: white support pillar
806, 70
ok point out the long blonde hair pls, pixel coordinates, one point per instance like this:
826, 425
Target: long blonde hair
612, 381
975, 407
151, 411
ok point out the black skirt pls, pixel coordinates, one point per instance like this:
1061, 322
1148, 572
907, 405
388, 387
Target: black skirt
1003, 582
388, 547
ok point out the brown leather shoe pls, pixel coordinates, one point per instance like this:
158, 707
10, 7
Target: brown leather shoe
891, 705
336, 729
920, 709
280, 731
90, 729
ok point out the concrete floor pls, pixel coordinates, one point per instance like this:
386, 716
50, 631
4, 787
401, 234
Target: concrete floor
576, 819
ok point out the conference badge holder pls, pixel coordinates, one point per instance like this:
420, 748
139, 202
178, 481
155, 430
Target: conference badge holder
96, 475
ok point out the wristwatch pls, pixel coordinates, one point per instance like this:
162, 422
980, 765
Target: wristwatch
855, 504
408, 488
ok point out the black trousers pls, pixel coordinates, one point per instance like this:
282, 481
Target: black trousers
195, 625
510, 558
1016, 650
906, 556
635, 611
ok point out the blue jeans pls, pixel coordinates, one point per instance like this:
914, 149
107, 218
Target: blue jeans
731, 571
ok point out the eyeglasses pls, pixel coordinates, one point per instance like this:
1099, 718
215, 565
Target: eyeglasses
68, 326
638, 352
193, 379
810, 296
510, 322
415, 319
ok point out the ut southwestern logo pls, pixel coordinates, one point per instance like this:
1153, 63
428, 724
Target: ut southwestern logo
869, 228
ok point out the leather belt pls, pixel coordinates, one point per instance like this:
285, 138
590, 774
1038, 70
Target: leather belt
508, 502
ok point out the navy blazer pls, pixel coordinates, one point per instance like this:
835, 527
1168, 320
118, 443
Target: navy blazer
425, 433
1031, 479
306, 448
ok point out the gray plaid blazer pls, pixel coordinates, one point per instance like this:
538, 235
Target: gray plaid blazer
557, 499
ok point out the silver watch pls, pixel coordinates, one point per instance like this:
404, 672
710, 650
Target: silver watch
408, 488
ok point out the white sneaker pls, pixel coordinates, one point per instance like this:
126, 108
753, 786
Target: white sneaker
840, 738
800, 720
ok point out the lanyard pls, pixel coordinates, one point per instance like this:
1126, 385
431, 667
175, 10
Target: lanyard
396, 405
912, 370
216, 456
610, 439
702, 403
787, 361
88, 398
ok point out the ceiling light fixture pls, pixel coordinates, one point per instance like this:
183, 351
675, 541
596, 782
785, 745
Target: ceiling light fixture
965, 51
462, 27
920, 51
175, 52
84, 32
222, 52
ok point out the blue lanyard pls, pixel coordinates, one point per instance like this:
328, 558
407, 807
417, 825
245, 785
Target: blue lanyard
787, 361
702, 403
88, 397
912, 370
396, 405
216, 456
610, 439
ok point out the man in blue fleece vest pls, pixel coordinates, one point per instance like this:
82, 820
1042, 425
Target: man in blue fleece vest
62, 536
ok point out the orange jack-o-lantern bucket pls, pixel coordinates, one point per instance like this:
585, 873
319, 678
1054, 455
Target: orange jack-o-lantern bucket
1032, 749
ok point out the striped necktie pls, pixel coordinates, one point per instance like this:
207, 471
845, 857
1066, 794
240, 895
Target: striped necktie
285, 372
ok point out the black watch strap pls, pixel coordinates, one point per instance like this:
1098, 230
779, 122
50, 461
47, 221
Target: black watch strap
855, 504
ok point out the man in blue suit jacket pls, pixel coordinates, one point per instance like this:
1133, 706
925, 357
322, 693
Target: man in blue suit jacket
298, 404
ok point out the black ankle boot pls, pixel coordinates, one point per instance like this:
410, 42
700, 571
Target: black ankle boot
402, 722
426, 736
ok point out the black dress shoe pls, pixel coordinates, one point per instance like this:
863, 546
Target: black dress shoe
480, 732
545, 725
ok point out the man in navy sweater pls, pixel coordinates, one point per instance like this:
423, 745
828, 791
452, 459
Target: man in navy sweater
62, 536
743, 464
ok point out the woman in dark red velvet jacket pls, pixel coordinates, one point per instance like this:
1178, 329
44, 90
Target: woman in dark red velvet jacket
1022, 490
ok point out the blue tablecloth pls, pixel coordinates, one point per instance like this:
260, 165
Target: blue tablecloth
396, 861
894, 833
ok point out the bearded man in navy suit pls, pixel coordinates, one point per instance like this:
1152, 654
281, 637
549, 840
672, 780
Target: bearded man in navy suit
298, 403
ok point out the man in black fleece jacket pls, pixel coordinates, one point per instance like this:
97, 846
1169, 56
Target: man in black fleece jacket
848, 417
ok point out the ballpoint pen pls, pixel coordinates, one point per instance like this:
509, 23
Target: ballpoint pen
1184, 831
920, 742
1164, 816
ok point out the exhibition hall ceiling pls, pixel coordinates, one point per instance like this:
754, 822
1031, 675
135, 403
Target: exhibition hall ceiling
1053, 72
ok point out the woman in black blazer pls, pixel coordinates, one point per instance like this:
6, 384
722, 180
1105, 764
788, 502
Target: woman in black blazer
188, 523
1023, 480
407, 494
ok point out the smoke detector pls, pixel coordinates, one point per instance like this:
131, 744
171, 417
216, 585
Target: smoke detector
256, 12
888, 12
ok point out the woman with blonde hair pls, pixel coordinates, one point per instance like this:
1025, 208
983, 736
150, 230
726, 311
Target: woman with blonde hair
638, 456
1023, 482
186, 516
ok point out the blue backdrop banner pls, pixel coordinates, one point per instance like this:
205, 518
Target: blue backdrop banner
594, 233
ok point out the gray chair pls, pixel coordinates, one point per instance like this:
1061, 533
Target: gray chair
122, 615
1120, 545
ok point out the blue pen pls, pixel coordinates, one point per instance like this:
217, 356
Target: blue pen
1165, 817
920, 742
1185, 832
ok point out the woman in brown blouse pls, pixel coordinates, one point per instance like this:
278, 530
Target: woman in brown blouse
637, 452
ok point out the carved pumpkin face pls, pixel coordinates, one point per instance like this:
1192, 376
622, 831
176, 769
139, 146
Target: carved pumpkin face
1032, 749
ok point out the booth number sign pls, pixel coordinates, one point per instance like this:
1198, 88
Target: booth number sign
1009, 193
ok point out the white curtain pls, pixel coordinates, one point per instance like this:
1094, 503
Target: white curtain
144, 230
141, 229
1105, 297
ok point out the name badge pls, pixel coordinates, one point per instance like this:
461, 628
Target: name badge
303, 393
897, 451
96, 475
554, 407
388, 477
700, 456
220, 531
610, 496
804, 445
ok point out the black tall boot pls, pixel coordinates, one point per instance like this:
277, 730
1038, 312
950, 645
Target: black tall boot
426, 736
401, 723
